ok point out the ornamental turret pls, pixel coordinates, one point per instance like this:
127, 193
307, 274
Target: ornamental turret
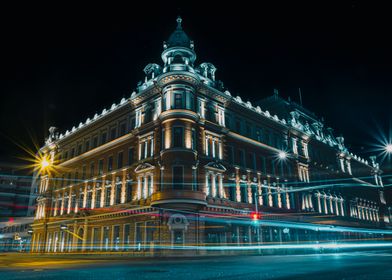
178, 53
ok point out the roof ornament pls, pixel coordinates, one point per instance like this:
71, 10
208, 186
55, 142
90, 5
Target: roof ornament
179, 21
53, 136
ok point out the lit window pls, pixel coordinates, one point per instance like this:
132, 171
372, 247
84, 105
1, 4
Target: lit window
146, 146
305, 149
221, 116
138, 117
295, 146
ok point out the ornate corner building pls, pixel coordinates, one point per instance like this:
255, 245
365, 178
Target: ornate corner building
182, 162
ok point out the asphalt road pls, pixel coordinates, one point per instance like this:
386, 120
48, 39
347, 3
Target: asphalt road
348, 265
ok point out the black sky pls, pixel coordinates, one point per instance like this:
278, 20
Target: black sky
62, 64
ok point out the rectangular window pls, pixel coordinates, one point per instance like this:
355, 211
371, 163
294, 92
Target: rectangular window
258, 134
178, 136
80, 149
263, 163
127, 236
107, 196
131, 156
230, 154
129, 191
76, 177
95, 142
113, 133
100, 167
84, 171
178, 100
150, 229
138, 118
120, 159
238, 126
193, 144
241, 157
87, 146
92, 169
110, 163
133, 123
98, 195
178, 177
116, 238
103, 138
72, 152
118, 193
248, 130
123, 129
89, 199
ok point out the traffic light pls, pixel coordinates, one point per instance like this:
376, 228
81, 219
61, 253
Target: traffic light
255, 216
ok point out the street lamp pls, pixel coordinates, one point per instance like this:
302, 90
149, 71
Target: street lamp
388, 148
282, 155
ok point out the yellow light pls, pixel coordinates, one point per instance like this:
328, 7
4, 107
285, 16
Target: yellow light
44, 163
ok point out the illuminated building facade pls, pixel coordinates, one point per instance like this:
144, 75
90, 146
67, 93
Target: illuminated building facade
183, 162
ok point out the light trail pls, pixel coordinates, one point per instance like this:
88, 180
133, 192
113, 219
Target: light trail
121, 248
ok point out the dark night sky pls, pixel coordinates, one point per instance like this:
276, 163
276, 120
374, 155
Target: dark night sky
62, 64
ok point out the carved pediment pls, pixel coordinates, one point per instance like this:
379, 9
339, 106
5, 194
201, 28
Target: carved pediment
144, 167
215, 166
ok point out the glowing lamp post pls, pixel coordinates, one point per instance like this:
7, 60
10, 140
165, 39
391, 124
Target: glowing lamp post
388, 148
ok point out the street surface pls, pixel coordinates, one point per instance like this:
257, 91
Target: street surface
346, 265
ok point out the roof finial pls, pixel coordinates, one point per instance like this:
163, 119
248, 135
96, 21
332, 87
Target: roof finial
179, 20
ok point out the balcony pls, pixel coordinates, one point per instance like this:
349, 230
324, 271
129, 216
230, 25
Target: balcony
181, 199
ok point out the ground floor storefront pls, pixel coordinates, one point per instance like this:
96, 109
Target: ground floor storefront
148, 231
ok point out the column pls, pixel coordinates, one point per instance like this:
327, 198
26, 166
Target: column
325, 204
259, 189
237, 185
85, 195
207, 188
206, 145
151, 184
152, 147
145, 186
341, 207
213, 147
319, 203
123, 186
331, 204
213, 184
113, 190
249, 188
85, 235
139, 188
221, 190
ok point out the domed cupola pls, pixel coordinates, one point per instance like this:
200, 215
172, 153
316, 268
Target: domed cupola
178, 53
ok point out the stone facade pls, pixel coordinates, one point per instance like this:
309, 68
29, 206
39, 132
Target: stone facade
182, 165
